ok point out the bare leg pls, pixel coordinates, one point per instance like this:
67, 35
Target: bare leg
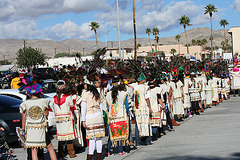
51, 152
34, 154
205, 105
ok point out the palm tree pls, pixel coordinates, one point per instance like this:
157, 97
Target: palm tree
155, 32
210, 9
148, 31
223, 23
177, 37
185, 21
173, 51
94, 26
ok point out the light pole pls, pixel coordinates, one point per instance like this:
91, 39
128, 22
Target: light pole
119, 42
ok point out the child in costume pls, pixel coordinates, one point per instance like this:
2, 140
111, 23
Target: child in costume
34, 123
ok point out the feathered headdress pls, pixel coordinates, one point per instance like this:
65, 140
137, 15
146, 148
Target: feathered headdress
32, 84
174, 72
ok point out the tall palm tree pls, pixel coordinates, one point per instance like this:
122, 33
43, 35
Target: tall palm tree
148, 31
177, 37
94, 26
185, 21
210, 9
155, 32
223, 23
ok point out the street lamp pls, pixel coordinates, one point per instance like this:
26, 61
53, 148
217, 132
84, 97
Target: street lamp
119, 42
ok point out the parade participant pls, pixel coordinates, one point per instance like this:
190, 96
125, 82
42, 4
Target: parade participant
177, 96
199, 84
186, 86
208, 90
195, 95
142, 110
156, 106
76, 98
92, 119
64, 118
227, 86
34, 123
117, 102
166, 98
215, 89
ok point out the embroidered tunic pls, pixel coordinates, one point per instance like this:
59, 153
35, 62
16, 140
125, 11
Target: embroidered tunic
156, 108
92, 114
64, 117
118, 119
36, 123
215, 89
142, 110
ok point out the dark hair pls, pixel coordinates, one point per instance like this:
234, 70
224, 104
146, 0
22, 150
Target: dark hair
116, 89
80, 89
94, 91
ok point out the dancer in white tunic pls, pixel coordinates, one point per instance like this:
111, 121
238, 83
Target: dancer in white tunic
208, 90
177, 97
34, 123
92, 119
64, 118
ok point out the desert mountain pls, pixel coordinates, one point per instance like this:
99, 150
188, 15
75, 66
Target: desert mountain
9, 47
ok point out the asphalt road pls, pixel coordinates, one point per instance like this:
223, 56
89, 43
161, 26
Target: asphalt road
213, 135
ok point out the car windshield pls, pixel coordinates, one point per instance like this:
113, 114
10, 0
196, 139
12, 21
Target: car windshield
6, 101
9, 104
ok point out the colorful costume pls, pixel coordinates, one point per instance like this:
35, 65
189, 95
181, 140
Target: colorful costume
36, 123
64, 117
118, 119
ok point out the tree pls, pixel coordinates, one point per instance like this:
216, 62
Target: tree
223, 45
148, 31
155, 32
94, 26
173, 51
5, 62
223, 23
210, 9
29, 57
139, 45
194, 42
177, 37
185, 21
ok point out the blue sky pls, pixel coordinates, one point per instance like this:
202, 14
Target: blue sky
70, 19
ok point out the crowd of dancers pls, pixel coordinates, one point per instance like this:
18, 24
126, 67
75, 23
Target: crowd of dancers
133, 103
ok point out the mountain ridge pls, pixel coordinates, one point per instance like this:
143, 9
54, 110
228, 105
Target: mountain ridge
9, 47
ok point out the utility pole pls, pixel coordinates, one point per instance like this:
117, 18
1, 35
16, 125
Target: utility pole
135, 32
55, 49
68, 51
24, 44
119, 42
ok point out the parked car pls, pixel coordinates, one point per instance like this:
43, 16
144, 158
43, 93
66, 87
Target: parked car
21, 95
10, 118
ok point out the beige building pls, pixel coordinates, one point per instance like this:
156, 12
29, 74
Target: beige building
113, 53
195, 51
235, 33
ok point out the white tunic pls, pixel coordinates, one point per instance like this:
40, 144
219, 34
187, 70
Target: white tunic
178, 108
36, 123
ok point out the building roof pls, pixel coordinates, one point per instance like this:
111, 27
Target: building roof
6, 67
